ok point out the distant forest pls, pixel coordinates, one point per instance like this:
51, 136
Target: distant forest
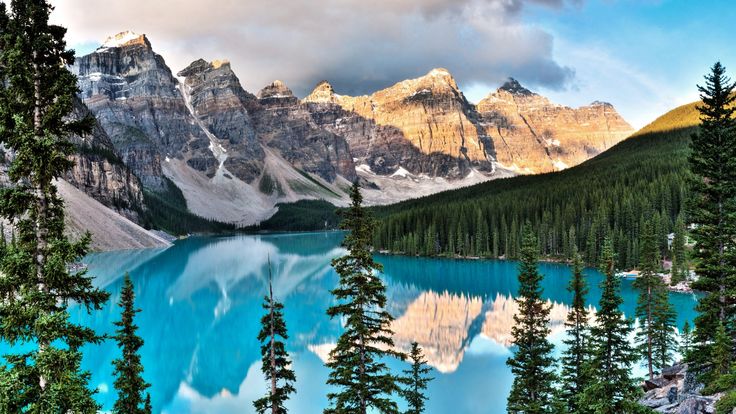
642, 178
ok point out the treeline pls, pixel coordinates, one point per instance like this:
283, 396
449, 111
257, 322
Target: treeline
641, 179
302, 215
167, 211
596, 364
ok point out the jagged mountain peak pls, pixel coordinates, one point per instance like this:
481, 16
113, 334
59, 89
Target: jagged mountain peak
126, 38
601, 103
322, 93
439, 76
513, 87
201, 66
276, 89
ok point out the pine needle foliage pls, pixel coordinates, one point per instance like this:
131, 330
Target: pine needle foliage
415, 380
532, 365
275, 361
713, 212
37, 286
128, 369
576, 357
362, 379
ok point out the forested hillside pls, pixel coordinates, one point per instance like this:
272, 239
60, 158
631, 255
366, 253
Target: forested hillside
613, 194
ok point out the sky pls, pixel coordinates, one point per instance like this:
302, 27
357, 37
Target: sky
643, 56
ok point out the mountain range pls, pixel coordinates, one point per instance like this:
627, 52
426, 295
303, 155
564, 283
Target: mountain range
198, 138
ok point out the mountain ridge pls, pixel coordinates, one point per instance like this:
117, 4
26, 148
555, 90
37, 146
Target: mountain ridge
236, 154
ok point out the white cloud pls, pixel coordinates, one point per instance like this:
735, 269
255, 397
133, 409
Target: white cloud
359, 46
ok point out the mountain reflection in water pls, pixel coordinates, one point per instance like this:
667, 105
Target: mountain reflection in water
201, 302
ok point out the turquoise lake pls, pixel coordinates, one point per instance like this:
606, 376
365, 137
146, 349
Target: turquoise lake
201, 301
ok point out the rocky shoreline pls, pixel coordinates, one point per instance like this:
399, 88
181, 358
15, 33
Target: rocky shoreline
678, 391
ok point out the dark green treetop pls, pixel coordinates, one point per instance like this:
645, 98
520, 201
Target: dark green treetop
128, 371
532, 364
357, 371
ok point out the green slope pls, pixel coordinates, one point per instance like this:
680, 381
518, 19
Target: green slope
641, 178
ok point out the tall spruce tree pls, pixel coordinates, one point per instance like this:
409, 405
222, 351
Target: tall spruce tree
415, 380
532, 364
362, 379
680, 267
36, 287
664, 341
275, 360
611, 389
576, 357
128, 368
686, 340
713, 211
649, 285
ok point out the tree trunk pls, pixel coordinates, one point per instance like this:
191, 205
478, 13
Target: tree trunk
41, 199
274, 405
649, 329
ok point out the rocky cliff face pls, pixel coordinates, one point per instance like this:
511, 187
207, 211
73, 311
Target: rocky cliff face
100, 173
530, 134
134, 96
235, 155
423, 125
223, 107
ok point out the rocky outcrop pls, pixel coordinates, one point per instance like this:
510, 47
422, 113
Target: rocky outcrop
531, 134
677, 391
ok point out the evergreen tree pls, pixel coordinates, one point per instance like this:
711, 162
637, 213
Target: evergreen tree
128, 370
713, 211
575, 376
275, 360
664, 341
650, 286
362, 380
36, 101
686, 340
532, 364
680, 267
416, 380
611, 389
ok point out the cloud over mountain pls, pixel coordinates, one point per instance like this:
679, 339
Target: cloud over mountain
360, 46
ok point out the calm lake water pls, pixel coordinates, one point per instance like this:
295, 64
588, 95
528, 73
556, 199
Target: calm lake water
201, 302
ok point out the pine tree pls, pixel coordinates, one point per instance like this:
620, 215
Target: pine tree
128, 370
575, 376
664, 341
649, 285
275, 360
532, 364
713, 211
362, 380
36, 101
416, 380
686, 340
680, 267
611, 389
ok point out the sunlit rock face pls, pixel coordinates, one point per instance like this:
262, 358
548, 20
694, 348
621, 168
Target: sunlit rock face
531, 134
423, 125
440, 324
